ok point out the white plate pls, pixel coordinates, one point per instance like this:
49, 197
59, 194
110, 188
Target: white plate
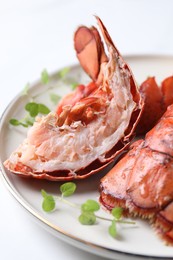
137, 242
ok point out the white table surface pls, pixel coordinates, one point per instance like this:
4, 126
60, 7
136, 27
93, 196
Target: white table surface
38, 34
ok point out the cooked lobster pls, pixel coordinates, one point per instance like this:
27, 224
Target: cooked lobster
142, 181
156, 100
91, 125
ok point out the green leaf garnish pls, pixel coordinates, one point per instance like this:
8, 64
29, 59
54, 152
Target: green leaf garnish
55, 98
117, 212
16, 122
87, 218
35, 108
112, 229
48, 203
43, 109
67, 189
62, 73
44, 76
25, 122
44, 193
32, 108
90, 206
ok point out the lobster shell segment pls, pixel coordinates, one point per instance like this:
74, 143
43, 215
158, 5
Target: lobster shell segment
156, 100
142, 182
90, 126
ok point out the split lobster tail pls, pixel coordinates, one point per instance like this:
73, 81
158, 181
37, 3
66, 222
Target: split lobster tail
91, 125
142, 181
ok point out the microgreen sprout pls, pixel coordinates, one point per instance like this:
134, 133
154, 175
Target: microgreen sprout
117, 214
63, 73
67, 189
87, 218
33, 110
25, 122
48, 202
55, 98
87, 209
112, 229
44, 76
90, 206
16, 122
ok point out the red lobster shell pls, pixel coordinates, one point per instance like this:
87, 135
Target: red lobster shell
156, 100
142, 181
91, 125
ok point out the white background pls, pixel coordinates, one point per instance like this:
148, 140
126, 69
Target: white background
38, 34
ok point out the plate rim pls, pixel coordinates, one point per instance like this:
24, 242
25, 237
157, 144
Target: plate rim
63, 235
